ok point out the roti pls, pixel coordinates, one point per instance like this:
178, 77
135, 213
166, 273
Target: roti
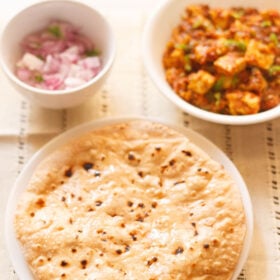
134, 200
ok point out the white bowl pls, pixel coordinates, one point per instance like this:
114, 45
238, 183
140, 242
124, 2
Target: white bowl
13, 246
157, 33
37, 16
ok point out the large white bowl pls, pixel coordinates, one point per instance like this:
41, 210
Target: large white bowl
156, 35
37, 16
214, 152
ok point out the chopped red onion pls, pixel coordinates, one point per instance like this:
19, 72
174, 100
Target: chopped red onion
58, 57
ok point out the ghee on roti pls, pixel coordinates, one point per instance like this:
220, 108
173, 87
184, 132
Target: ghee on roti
135, 200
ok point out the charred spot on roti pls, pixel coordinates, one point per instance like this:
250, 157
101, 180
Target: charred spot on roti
64, 263
187, 153
152, 261
40, 203
84, 264
179, 250
68, 173
87, 166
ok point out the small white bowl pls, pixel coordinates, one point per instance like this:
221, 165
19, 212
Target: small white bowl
37, 16
157, 33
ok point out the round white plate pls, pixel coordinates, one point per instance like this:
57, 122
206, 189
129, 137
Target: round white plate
13, 245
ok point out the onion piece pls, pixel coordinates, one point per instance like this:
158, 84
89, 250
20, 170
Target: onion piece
58, 57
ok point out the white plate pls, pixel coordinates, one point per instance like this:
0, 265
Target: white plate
13, 245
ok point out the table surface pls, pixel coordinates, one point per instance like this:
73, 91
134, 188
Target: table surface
254, 149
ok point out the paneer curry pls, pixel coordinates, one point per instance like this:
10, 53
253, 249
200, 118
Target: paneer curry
226, 60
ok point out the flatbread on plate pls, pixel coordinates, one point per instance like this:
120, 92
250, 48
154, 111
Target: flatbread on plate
135, 200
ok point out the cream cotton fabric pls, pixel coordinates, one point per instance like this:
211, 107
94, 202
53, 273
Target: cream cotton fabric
255, 149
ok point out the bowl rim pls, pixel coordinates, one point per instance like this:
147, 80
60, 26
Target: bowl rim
166, 90
201, 141
63, 92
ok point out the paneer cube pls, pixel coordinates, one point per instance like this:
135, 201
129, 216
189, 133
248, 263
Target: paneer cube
259, 54
220, 17
243, 102
209, 50
197, 10
230, 63
201, 53
270, 98
186, 95
256, 81
174, 59
200, 82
